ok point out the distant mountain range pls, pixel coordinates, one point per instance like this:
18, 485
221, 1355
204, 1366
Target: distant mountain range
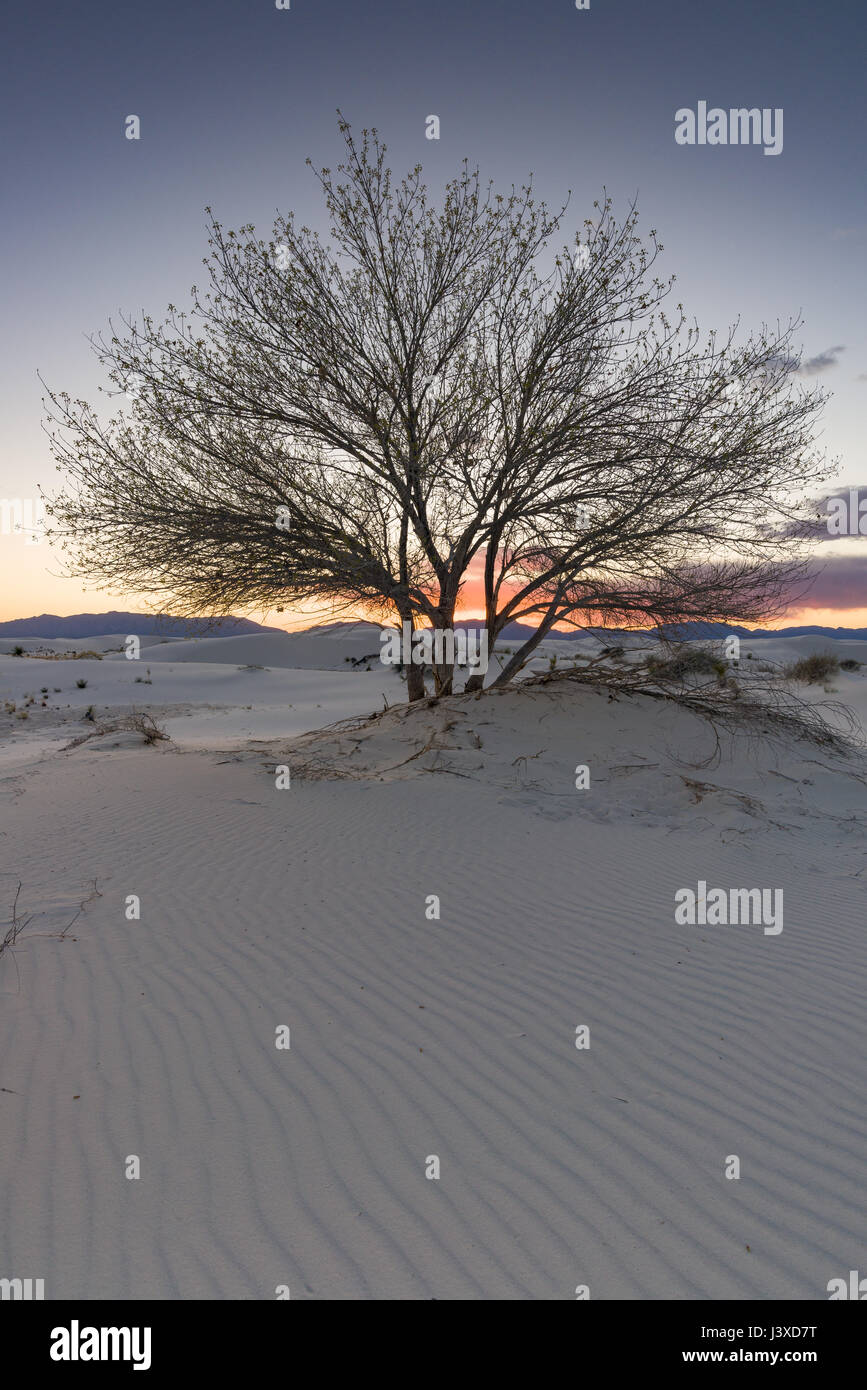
50, 626
697, 631
684, 632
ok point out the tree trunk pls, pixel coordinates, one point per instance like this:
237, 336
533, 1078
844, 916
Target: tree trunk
414, 683
443, 621
523, 654
443, 677
415, 687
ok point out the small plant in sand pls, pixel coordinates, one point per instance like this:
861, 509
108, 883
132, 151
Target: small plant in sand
17, 651
850, 665
815, 669
766, 709
81, 684
144, 724
691, 661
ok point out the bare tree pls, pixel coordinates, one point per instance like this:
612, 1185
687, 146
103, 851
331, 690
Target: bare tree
368, 426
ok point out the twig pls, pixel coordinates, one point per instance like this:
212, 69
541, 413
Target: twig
17, 926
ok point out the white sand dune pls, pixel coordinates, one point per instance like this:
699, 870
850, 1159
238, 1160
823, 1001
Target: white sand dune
286, 650
202, 703
111, 643
412, 1037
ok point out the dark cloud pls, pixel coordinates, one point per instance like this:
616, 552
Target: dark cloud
816, 526
814, 365
835, 583
787, 364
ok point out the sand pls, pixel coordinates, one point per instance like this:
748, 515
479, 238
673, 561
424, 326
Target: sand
414, 1036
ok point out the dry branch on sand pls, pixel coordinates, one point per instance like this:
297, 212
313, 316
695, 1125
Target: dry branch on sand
143, 724
16, 925
42, 655
761, 708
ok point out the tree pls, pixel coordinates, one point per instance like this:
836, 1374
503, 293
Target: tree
366, 426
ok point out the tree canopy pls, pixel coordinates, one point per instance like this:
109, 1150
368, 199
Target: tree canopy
441, 392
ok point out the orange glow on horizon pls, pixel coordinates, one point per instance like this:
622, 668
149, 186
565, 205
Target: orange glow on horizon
30, 589
807, 617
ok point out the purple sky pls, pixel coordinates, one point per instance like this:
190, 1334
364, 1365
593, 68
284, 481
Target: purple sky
233, 96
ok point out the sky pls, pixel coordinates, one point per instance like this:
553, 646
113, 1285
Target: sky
233, 95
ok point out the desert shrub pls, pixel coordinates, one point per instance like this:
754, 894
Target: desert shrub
140, 723
813, 670
850, 665
70, 656
146, 725
81, 684
689, 661
17, 651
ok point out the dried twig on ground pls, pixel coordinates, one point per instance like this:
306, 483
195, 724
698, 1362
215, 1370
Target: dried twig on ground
763, 708
143, 724
17, 924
